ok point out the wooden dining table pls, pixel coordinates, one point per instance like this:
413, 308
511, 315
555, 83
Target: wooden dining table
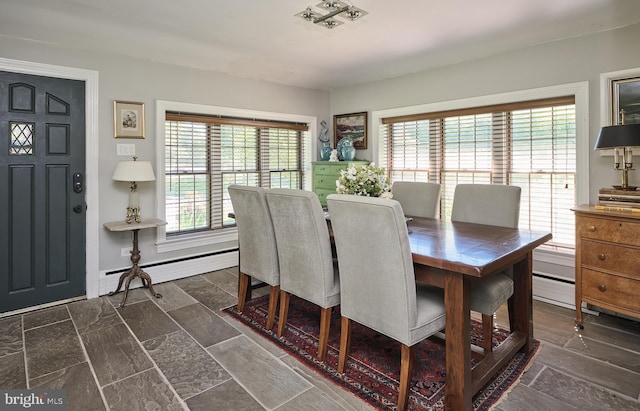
450, 255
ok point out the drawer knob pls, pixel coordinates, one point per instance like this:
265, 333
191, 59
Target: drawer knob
592, 228
602, 287
601, 256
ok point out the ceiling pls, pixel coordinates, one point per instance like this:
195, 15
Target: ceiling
261, 39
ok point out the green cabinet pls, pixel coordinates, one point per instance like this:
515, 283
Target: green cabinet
325, 175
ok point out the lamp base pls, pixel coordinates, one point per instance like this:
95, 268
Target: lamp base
627, 188
133, 214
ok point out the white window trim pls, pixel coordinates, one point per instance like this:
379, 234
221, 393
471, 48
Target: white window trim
580, 90
164, 244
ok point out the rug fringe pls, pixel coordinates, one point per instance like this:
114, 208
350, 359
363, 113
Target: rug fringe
504, 395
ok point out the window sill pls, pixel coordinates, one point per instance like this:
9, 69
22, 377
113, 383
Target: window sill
196, 240
554, 255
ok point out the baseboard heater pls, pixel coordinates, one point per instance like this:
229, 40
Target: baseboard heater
177, 260
175, 269
554, 290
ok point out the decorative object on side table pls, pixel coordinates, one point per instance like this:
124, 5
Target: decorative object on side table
346, 150
323, 136
133, 172
365, 180
621, 138
325, 152
135, 270
351, 125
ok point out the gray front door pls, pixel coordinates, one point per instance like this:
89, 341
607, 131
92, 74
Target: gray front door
42, 207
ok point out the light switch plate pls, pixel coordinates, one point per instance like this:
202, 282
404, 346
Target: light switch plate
126, 150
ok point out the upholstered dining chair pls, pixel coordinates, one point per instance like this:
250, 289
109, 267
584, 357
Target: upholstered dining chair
418, 199
496, 205
307, 268
257, 244
377, 283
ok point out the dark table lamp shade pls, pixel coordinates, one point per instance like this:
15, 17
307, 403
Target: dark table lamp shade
626, 135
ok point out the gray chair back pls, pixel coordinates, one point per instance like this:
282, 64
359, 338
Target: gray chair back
418, 199
304, 246
490, 204
377, 281
256, 237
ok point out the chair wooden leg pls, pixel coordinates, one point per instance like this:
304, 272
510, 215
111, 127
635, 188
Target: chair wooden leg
284, 311
323, 339
274, 290
487, 333
406, 370
345, 343
243, 290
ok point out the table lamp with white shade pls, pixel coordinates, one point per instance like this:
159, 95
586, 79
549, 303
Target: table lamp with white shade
133, 172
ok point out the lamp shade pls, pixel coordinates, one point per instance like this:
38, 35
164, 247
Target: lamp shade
625, 135
134, 171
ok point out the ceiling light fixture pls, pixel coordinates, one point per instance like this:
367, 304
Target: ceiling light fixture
334, 8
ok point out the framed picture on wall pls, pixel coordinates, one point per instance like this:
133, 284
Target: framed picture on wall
352, 125
128, 119
626, 99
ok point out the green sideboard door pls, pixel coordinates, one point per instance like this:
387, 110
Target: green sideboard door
325, 175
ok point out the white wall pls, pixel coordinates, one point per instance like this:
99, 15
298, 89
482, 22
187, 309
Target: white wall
123, 78
567, 61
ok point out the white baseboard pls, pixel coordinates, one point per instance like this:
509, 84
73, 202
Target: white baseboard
173, 270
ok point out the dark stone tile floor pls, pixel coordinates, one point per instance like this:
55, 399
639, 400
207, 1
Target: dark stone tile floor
181, 353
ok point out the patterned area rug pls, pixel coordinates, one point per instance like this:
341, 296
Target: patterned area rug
373, 368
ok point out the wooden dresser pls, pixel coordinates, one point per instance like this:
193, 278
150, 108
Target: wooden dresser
325, 174
607, 260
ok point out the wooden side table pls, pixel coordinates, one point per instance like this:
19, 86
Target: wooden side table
135, 270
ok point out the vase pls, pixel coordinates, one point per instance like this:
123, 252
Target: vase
325, 152
344, 142
348, 153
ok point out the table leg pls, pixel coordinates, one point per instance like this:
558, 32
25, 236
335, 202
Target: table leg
120, 281
133, 272
523, 300
458, 387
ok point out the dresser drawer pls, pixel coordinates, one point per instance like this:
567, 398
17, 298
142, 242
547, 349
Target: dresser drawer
616, 231
327, 182
611, 289
322, 195
329, 169
611, 257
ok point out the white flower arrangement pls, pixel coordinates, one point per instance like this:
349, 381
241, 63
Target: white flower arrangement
367, 180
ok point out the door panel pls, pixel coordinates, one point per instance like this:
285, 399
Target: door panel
42, 145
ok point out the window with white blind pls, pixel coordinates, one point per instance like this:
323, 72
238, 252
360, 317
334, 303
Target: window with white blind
529, 144
206, 154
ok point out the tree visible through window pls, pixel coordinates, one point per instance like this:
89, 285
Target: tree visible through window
204, 155
528, 144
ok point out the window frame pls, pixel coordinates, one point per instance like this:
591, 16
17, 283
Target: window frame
579, 90
165, 243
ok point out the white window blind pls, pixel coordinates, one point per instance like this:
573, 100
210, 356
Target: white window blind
206, 154
528, 144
